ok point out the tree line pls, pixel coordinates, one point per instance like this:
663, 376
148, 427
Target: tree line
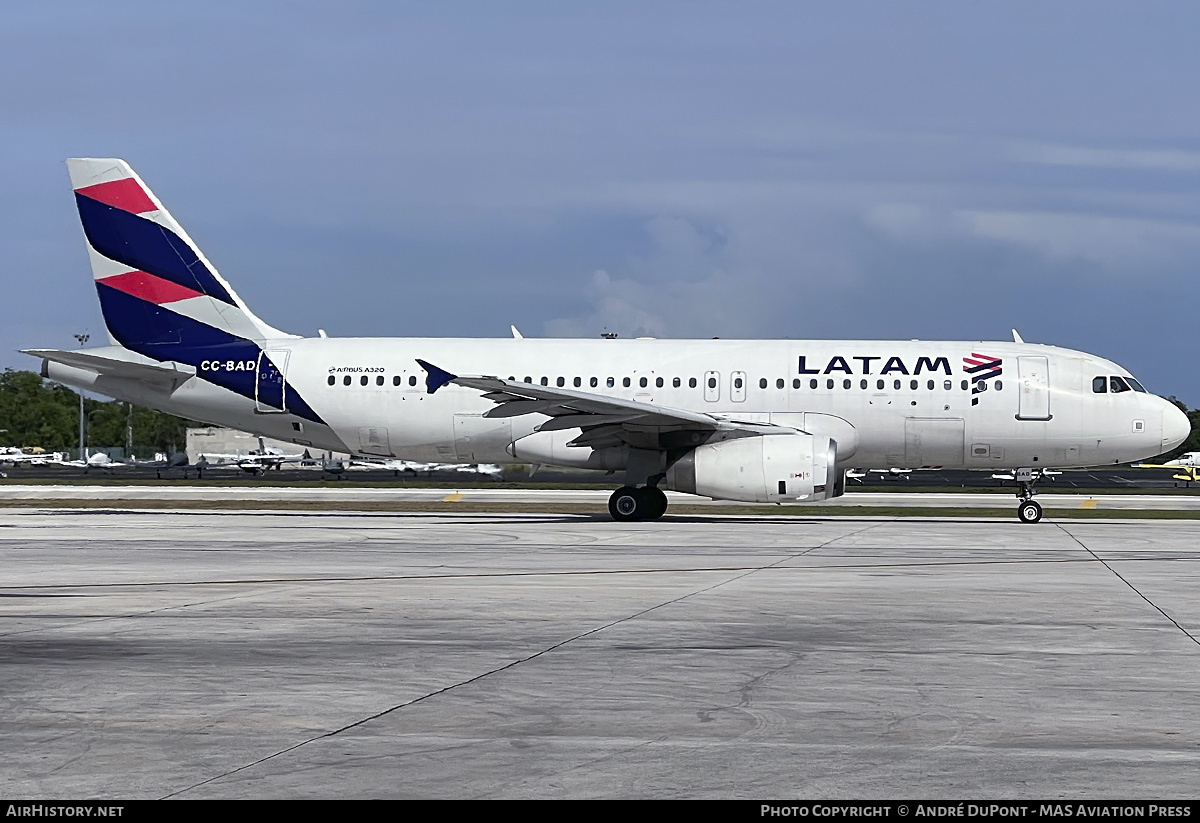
35, 412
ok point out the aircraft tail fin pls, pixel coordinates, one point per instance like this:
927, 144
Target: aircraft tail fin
156, 288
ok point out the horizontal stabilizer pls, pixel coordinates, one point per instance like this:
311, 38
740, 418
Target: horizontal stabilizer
173, 373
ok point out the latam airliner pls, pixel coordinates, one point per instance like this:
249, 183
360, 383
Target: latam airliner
750, 420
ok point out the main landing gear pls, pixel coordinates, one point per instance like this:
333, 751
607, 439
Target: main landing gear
1028, 510
630, 503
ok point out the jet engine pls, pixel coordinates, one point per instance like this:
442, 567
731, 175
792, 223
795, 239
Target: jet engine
777, 468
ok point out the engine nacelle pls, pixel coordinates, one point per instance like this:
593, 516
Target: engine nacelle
778, 468
551, 448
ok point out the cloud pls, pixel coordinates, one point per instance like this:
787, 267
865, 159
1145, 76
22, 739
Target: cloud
1052, 154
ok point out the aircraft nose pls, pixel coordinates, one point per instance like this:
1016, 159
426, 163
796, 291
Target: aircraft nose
1176, 427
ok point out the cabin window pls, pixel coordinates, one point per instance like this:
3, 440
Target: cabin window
578, 381
879, 385
912, 385
931, 385
396, 380
412, 380
379, 380
675, 383
528, 379
594, 382
999, 385
346, 380
829, 383
812, 384
332, 379
625, 382
642, 382
796, 383
712, 382
862, 384
779, 384
737, 382
363, 380
691, 382
658, 382
846, 383
964, 385
545, 381
560, 382
948, 385
897, 385
1136, 385
1118, 384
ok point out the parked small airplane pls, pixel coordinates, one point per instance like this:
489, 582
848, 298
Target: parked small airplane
1186, 466
256, 461
12, 456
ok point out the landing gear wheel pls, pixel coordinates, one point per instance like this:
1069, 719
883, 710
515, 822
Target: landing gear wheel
1029, 511
627, 504
656, 500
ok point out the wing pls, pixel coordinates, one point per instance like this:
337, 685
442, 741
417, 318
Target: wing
604, 420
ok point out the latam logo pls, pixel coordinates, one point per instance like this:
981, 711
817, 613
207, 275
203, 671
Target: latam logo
981, 367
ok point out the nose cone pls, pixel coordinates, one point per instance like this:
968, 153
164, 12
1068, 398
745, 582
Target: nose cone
1176, 427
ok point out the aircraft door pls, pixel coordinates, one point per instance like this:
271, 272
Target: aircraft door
270, 383
1033, 388
737, 386
712, 386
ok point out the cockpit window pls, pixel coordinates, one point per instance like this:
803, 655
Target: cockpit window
1100, 385
1136, 385
1118, 384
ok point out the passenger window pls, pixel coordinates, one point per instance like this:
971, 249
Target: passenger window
846, 383
930, 385
1117, 384
412, 380
879, 385
912, 385
712, 382
346, 380
612, 381
812, 384
625, 382
561, 382
863, 384
578, 381
332, 379
658, 382
528, 379
642, 382
362, 381
545, 381
737, 382
796, 383
594, 382
964, 385
999, 385
691, 382
396, 380
897, 385
948, 385
675, 383
379, 380
779, 384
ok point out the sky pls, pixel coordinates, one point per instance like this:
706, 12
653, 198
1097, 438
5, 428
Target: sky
933, 170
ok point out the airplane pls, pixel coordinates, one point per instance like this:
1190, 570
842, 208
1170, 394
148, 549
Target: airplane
1186, 466
99, 460
256, 461
12, 455
399, 467
745, 420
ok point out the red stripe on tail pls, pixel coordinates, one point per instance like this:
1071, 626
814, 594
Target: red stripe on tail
124, 194
148, 287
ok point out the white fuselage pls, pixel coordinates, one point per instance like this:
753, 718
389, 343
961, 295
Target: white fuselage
886, 403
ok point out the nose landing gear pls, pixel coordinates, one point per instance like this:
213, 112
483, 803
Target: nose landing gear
1028, 510
630, 503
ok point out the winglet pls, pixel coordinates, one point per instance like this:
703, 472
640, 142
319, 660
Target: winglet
435, 377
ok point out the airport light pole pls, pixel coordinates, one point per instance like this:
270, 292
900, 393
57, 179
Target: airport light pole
82, 338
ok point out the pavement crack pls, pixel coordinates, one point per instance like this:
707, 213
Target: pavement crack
1124, 580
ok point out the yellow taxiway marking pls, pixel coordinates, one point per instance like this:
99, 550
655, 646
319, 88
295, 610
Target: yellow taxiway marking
452, 498
1089, 504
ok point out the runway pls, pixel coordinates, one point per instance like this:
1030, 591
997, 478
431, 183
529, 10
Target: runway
597, 499
264, 655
